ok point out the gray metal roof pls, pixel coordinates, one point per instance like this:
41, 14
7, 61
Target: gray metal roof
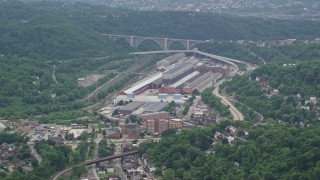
196, 82
155, 106
208, 82
132, 106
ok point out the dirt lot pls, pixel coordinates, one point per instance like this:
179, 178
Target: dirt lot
89, 80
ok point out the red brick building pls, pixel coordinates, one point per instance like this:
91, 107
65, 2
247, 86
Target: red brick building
155, 116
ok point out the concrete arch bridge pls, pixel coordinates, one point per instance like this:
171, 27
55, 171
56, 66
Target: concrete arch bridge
164, 43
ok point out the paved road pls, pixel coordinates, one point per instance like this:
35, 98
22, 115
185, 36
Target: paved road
120, 172
34, 153
97, 141
94, 172
54, 74
140, 140
237, 115
259, 116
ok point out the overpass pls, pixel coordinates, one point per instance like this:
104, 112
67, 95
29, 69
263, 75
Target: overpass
220, 58
89, 162
189, 51
226, 60
164, 43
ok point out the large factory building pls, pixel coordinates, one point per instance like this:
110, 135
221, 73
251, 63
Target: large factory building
170, 60
180, 74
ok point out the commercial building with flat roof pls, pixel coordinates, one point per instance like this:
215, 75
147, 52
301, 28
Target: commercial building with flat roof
177, 87
163, 125
150, 126
151, 107
149, 98
170, 90
129, 108
208, 82
154, 106
199, 80
155, 116
175, 123
185, 79
143, 83
130, 128
189, 88
155, 84
224, 69
156, 126
178, 72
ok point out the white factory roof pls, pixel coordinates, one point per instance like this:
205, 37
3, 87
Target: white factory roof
144, 98
143, 83
186, 78
178, 120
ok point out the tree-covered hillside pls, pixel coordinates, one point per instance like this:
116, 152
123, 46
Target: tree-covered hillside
28, 87
44, 30
263, 151
280, 92
303, 79
250, 52
295, 52
231, 50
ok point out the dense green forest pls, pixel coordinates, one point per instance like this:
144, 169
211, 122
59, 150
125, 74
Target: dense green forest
45, 30
270, 151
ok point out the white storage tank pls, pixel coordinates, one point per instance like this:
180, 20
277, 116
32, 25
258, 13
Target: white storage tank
177, 96
130, 95
163, 96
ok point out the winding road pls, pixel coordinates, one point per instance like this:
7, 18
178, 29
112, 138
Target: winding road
259, 116
237, 115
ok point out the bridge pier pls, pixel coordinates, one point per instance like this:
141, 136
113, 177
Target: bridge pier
131, 41
188, 45
165, 43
